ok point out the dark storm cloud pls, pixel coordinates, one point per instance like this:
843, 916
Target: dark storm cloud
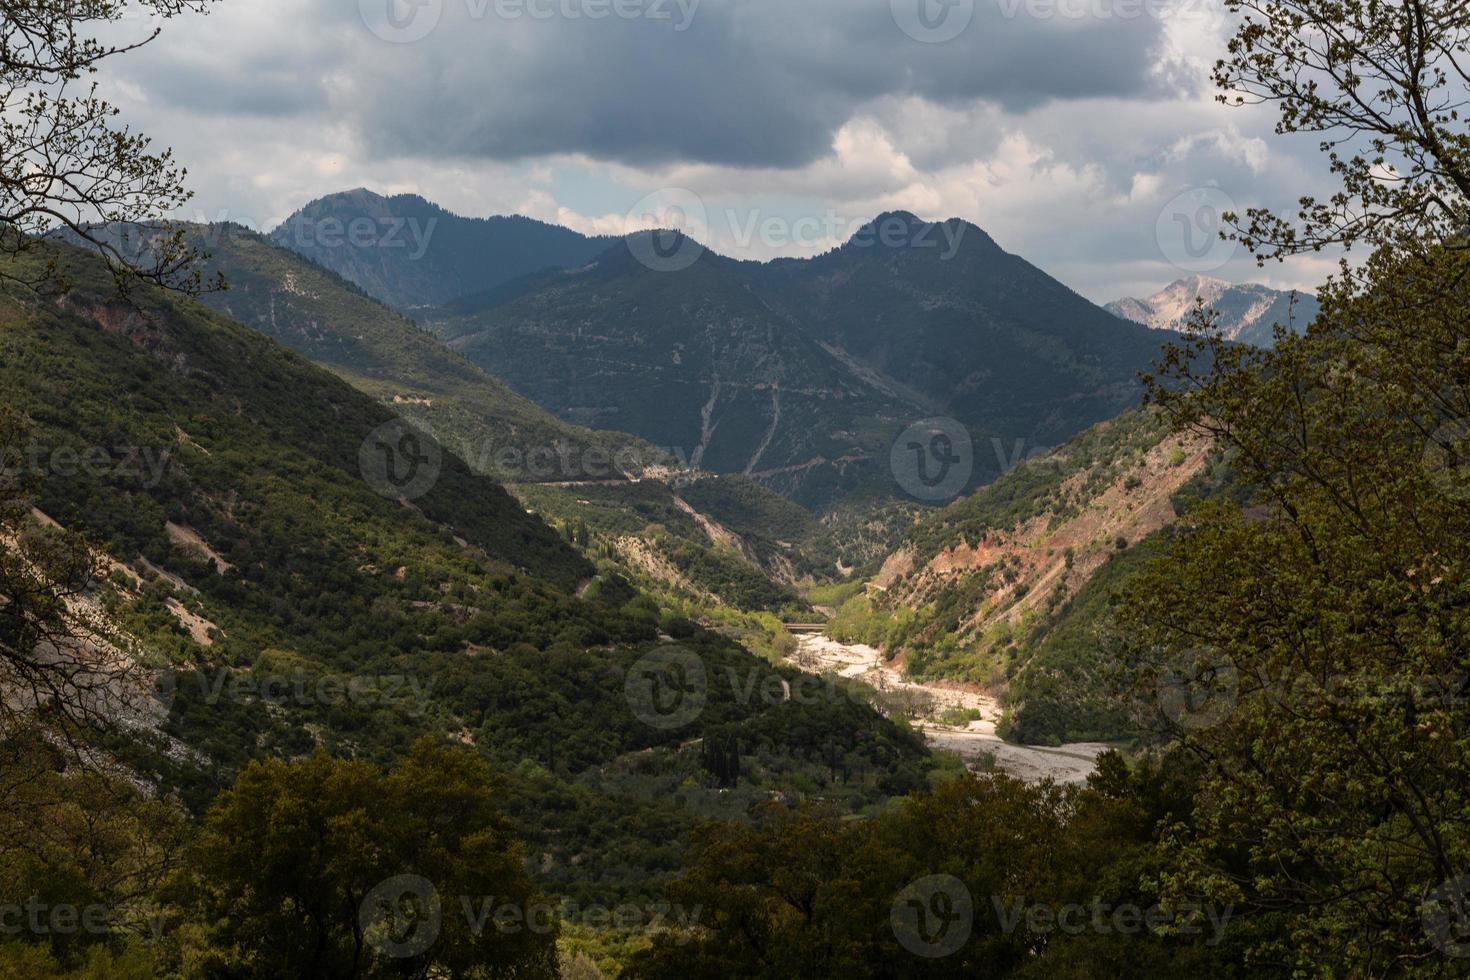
740, 82
268, 86
747, 82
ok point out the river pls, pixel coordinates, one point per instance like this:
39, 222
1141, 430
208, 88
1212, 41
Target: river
1071, 763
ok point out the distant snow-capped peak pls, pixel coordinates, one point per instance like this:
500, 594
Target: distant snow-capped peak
1247, 311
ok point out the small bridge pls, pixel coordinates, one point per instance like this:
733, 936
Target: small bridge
805, 627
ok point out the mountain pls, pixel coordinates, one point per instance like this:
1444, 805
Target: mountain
695, 361
616, 504
251, 552
315, 312
1011, 587
409, 253
173, 376
803, 373
1248, 311
616, 498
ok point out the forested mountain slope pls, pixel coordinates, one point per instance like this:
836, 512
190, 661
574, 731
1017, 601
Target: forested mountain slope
292, 597
315, 312
803, 373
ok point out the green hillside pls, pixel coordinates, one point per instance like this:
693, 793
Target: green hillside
500, 433
258, 557
318, 314
1014, 586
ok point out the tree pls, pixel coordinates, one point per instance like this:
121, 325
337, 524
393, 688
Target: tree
64, 163
803, 892
1385, 84
61, 661
1311, 652
722, 757
332, 868
82, 853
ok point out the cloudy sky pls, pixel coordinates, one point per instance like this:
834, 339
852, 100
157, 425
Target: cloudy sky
1082, 134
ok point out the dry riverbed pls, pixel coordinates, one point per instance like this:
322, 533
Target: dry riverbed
1066, 763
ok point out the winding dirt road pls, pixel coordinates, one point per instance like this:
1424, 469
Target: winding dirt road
1033, 763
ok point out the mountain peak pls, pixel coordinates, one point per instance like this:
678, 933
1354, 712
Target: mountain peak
1200, 284
1247, 311
409, 252
903, 229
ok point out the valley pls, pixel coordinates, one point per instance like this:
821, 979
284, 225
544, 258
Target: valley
981, 596
736, 490
974, 741
542, 567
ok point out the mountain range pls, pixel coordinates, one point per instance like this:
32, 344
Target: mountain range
638, 505
267, 548
1247, 312
803, 373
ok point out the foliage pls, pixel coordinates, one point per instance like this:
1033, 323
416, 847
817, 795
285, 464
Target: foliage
801, 892
1319, 637
290, 864
64, 164
82, 855
1384, 85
